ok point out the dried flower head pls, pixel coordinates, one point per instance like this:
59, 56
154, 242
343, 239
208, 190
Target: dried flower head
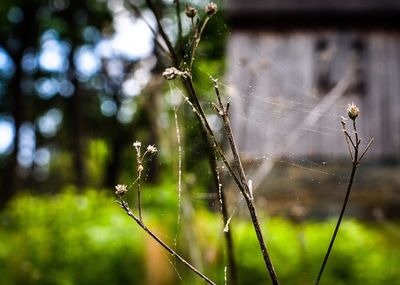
190, 11
352, 111
151, 149
211, 8
137, 144
121, 189
172, 73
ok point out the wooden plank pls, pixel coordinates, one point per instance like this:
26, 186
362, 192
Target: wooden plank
271, 82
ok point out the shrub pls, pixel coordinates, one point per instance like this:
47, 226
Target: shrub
74, 238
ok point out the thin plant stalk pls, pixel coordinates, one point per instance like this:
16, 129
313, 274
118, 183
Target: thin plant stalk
139, 175
353, 148
239, 178
139, 198
139, 169
232, 269
215, 148
196, 41
346, 199
237, 175
124, 205
188, 84
223, 111
174, 55
178, 138
179, 18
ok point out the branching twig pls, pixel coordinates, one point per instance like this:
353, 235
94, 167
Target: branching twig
196, 40
353, 113
139, 168
178, 17
237, 172
204, 123
227, 232
178, 138
151, 149
223, 111
166, 39
124, 205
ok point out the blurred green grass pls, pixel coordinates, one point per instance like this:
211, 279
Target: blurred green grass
73, 238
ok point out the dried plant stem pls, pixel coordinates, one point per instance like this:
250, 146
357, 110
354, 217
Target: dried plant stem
353, 146
164, 36
241, 181
139, 168
346, 199
250, 204
206, 130
179, 18
198, 110
124, 205
215, 148
196, 40
139, 198
178, 138
223, 111
238, 175
227, 231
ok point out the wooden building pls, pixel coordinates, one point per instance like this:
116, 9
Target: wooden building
285, 59
293, 66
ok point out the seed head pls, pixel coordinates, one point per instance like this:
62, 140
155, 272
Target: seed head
151, 149
190, 11
121, 189
137, 144
172, 73
352, 111
211, 8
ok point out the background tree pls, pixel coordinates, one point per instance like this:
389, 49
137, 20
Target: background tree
55, 91
69, 97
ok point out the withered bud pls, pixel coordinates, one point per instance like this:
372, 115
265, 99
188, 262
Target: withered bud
190, 11
151, 149
172, 73
121, 189
352, 111
137, 144
211, 8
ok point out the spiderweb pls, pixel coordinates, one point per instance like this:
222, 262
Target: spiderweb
281, 122
287, 129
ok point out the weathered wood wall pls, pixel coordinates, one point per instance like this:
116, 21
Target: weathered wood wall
276, 81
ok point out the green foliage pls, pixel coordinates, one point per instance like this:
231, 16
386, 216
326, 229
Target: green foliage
362, 254
87, 239
98, 153
68, 239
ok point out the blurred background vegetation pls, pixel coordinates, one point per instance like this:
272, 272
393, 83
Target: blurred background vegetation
72, 238
80, 81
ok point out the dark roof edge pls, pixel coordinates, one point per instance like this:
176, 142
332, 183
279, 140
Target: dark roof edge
387, 19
